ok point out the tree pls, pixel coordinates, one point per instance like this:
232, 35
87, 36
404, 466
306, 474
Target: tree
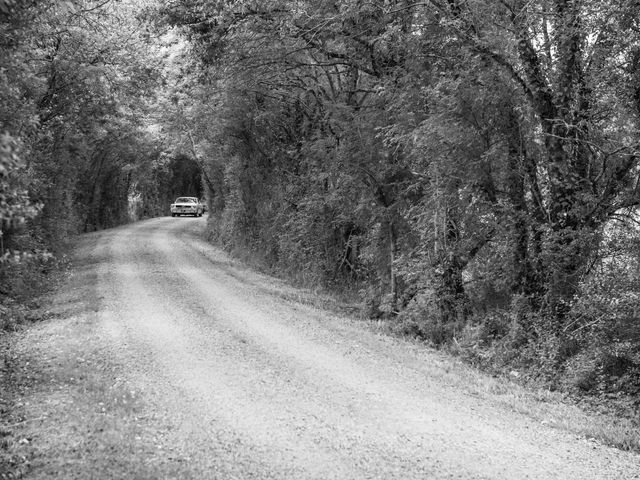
295, 95
471, 152
573, 63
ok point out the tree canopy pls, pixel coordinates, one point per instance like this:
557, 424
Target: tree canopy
468, 168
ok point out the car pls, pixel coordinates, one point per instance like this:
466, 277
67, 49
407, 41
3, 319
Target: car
187, 206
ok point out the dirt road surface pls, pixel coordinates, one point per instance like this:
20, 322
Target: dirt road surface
166, 359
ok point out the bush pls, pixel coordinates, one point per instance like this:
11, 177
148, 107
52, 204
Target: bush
422, 319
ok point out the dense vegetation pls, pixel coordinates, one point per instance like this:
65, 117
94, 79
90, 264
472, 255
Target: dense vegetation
468, 168
77, 83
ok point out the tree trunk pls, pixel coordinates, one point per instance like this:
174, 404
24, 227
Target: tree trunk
392, 272
452, 300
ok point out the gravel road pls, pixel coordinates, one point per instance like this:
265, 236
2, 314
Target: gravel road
251, 384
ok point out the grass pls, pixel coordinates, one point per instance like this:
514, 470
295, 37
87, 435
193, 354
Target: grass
619, 428
64, 412
559, 411
71, 416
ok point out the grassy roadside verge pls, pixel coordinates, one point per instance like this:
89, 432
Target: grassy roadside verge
67, 410
22, 285
611, 422
14, 458
69, 413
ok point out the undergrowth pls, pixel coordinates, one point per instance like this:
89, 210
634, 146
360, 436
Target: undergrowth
596, 368
22, 283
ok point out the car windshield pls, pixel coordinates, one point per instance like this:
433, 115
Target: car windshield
186, 200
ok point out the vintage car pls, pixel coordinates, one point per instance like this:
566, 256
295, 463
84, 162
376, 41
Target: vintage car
187, 206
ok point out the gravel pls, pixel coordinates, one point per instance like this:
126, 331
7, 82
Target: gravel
238, 382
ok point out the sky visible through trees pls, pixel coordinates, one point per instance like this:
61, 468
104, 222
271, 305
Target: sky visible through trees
466, 169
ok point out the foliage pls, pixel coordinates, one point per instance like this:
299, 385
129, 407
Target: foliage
467, 165
15, 205
76, 82
461, 161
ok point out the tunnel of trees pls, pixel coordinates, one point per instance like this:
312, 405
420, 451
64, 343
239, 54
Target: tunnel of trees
185, 178
466, 169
